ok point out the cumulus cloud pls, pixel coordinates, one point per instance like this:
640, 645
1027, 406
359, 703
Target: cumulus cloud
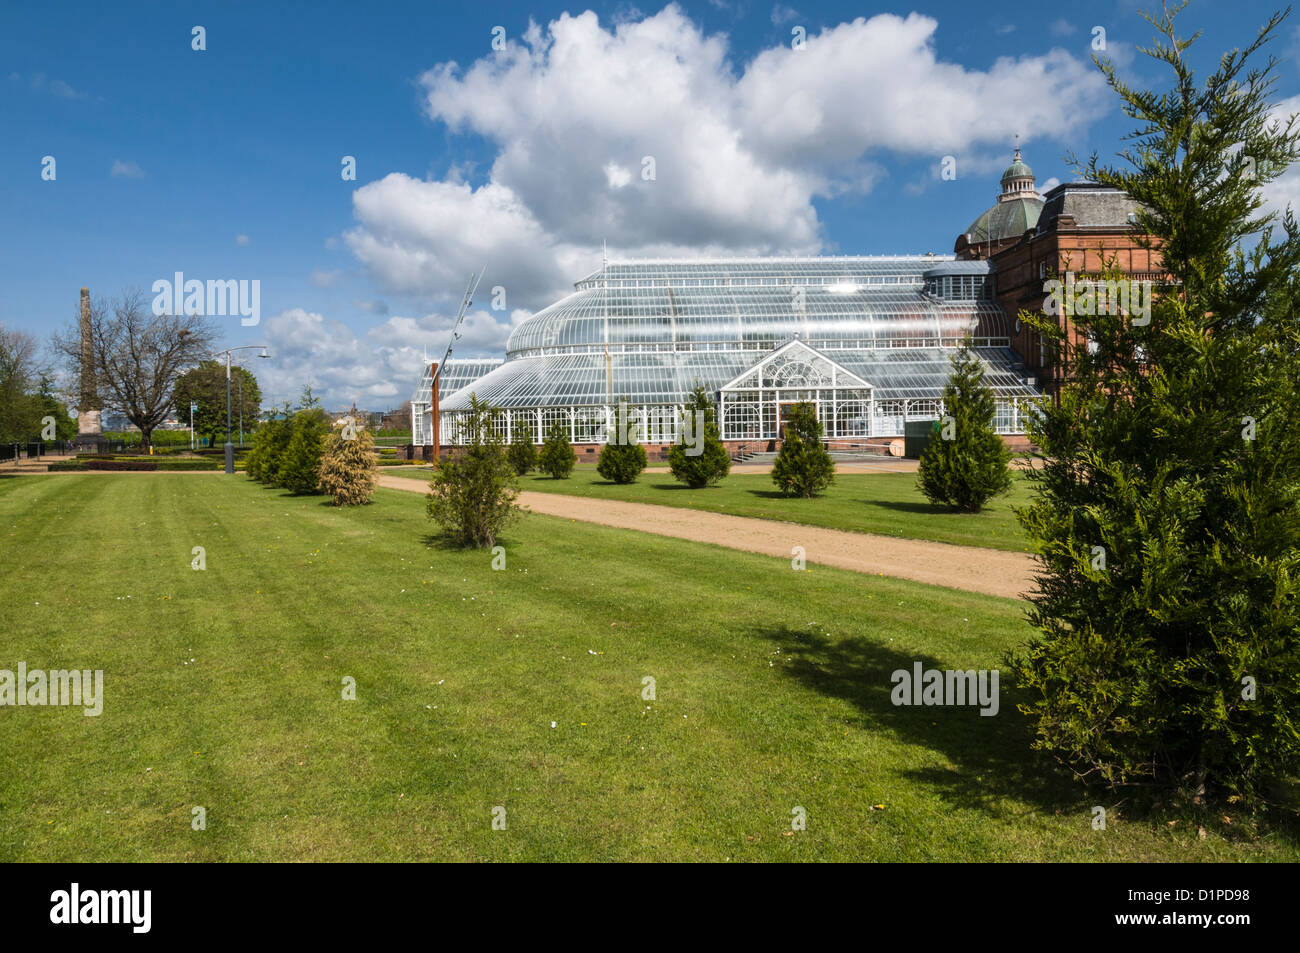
644, 134
377, 369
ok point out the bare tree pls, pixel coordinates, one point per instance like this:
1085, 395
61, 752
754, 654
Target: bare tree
138, 355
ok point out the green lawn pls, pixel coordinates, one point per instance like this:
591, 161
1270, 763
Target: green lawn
223, 690
884, 503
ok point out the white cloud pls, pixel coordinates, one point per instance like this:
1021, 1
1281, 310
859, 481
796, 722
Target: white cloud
812, 108
579, 114
781, 15
740, 152
1061, 27
379, 369
243, 240
57, 87
1047, 185
1285, 190
324, 278
125, 170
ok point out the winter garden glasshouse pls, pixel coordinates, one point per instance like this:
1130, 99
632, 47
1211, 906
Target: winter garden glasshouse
868, 340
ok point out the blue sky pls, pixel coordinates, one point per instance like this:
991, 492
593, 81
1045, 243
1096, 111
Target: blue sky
225, 163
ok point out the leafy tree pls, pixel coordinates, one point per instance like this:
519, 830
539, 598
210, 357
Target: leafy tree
299, 469
1166, 509
205, 385
965, 463
523, 453
473, 495
699, 462
557, 457
803, 467
19, 417
47, 404
138, 357
621, 461
348, 467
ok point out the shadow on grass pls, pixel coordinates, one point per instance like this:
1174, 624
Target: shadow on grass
912, 506
991, 754
769, 494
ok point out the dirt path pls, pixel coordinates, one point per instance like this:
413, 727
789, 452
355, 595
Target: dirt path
971, 568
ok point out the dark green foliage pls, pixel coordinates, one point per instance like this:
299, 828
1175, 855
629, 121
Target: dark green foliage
803, 467
523, 453
965, 463
621, 462
205, 385
299, 470
557, 457
1166, 514
472, 496
269, 444
699, 461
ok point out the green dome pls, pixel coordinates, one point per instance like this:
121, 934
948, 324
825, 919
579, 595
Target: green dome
1009, 219
1017, 170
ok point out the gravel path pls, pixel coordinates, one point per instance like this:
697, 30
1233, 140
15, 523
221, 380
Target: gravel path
974, 569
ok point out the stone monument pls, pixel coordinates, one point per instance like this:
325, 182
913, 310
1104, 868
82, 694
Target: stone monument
90, 429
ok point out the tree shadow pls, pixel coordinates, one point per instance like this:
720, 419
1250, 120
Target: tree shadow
910, 506
770, 494
992, 755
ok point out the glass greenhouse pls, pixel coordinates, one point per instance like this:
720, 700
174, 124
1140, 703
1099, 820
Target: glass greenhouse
866, 339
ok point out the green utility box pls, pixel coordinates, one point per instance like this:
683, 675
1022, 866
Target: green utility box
916, 436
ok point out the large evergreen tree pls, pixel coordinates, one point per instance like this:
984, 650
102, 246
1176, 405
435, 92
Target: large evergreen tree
803, 467
1166, 510
965, 463
702, 460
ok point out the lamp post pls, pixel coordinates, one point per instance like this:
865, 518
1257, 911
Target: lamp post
230, 447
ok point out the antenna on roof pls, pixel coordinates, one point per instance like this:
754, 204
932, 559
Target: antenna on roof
465, 302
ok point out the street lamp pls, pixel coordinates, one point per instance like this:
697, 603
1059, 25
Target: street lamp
230, 447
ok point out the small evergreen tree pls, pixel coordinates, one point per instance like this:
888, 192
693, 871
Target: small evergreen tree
700, 461
523, 452
803, 467
299, 470
557, 457
348, 468
473, 496
621, 461
965, 463
269, 443
1166, 509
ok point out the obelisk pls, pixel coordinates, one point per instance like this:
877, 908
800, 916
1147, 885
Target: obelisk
90, 428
